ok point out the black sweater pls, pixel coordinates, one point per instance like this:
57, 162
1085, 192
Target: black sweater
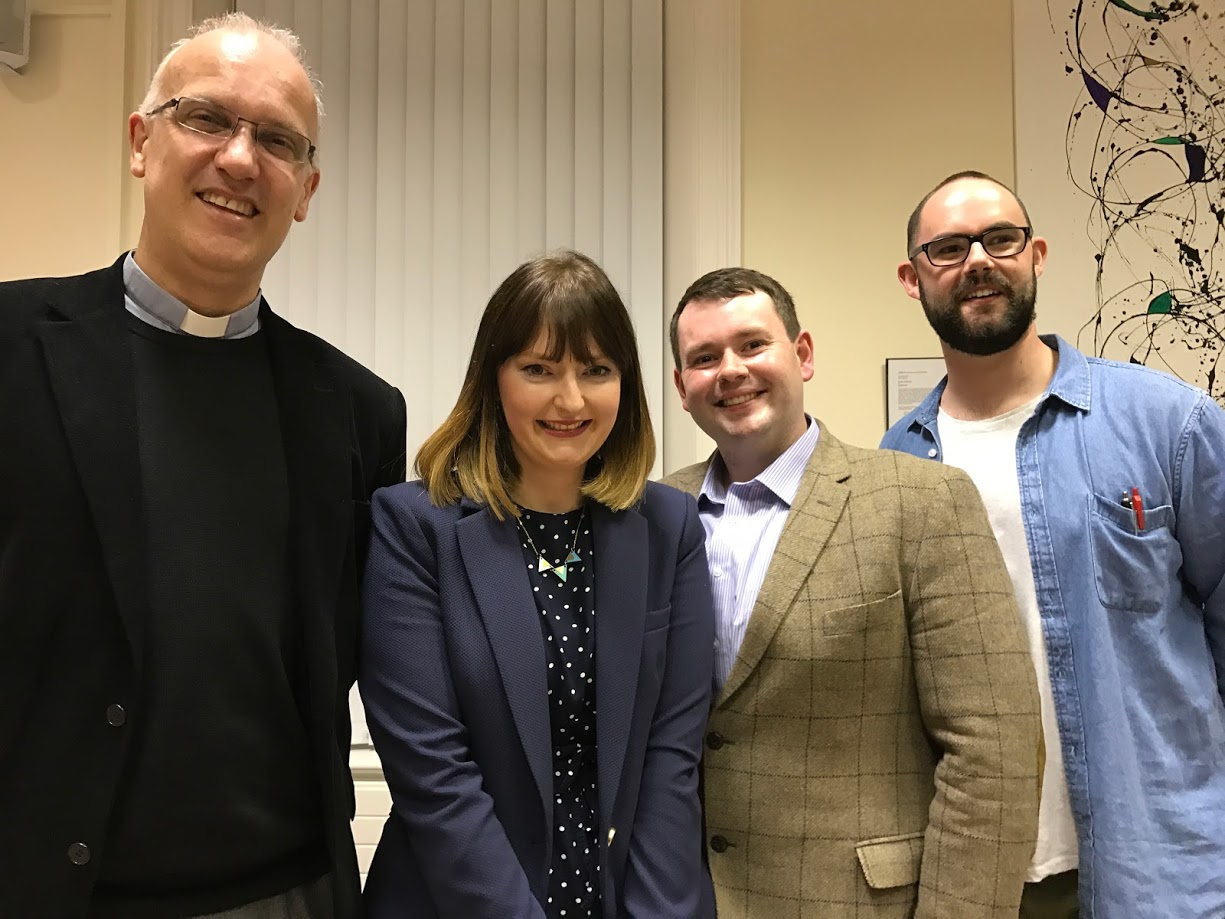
220, 807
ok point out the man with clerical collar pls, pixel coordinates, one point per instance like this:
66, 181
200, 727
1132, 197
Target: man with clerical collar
873, 743
183, 516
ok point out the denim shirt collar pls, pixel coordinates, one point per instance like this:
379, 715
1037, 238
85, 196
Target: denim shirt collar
1070, 385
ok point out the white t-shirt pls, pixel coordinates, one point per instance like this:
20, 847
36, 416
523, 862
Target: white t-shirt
987, 451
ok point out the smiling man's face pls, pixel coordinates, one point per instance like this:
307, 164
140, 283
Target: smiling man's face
221, 207
985, 305
742, 377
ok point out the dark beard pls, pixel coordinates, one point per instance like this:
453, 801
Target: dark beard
947, 322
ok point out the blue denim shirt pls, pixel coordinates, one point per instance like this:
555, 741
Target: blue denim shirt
1134, 623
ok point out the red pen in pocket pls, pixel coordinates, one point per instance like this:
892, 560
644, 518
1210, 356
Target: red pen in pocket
1136, 503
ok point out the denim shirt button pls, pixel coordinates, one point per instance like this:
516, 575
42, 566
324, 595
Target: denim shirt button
932, 452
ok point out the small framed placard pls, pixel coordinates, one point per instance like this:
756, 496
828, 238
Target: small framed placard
908, 380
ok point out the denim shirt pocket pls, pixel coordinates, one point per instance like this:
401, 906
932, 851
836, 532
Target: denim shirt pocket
1132, 567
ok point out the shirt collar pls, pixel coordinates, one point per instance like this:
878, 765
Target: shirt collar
148, 302
781, 477
1070, 384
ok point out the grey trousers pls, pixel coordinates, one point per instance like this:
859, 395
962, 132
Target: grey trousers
310, 901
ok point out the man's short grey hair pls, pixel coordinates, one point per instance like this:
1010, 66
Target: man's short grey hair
240, 23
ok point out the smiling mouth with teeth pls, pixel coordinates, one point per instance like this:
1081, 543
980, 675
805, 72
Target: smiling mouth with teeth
733, 401
233, 205
562, 428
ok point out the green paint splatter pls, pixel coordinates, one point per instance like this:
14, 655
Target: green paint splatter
1162, 303
1169, 140
1150, 15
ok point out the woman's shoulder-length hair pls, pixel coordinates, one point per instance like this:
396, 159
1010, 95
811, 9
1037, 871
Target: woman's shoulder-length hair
570, 298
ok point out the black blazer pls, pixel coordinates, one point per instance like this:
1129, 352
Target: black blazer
453, 676
73, 593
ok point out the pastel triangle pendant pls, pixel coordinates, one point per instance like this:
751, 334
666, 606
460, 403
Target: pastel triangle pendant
562, 570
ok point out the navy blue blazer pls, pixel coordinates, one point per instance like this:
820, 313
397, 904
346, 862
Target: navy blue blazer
453, 678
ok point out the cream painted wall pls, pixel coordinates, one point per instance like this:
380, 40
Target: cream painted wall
838, 142
64, 147
841, 137
66, 172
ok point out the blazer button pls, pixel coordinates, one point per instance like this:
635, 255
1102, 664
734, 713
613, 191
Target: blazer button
719, 844
714, 740
115, 715
78, 853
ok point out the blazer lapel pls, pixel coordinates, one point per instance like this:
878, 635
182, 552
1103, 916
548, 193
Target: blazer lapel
493, 559
818, 505
690, 478
621, 548
316, 422
89, 361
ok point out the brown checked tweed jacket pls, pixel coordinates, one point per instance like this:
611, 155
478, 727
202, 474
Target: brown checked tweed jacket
874, 752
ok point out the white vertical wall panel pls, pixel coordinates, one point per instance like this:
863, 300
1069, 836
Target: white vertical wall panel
416, 249
505, 250
646, 134
589, 125
559, 119
616, 131
476, 153
449, 334
532, 117
702, 165
462, 137
356, 326
387, 318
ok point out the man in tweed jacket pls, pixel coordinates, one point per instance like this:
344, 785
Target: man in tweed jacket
873, 749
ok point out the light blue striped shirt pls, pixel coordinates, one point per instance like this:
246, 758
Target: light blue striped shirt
743, 523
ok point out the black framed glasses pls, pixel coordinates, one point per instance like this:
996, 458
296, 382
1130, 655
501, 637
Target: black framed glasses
213, 120
998, 242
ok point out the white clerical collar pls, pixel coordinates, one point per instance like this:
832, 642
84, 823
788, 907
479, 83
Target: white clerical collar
148, 302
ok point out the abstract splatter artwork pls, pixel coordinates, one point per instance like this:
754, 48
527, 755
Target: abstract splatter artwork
1140, 92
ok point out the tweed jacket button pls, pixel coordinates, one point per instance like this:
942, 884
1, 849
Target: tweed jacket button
714, 740
78, 853
115, 715
718, 843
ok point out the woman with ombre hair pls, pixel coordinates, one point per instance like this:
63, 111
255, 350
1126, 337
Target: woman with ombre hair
538, 632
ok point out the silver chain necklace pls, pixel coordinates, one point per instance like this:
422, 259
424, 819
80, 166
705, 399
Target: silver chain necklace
562, 570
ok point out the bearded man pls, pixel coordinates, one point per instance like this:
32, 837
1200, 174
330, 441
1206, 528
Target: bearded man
1105, 486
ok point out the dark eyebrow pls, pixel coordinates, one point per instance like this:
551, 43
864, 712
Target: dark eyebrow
694, 349
753, 332
596, 357
998, 225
